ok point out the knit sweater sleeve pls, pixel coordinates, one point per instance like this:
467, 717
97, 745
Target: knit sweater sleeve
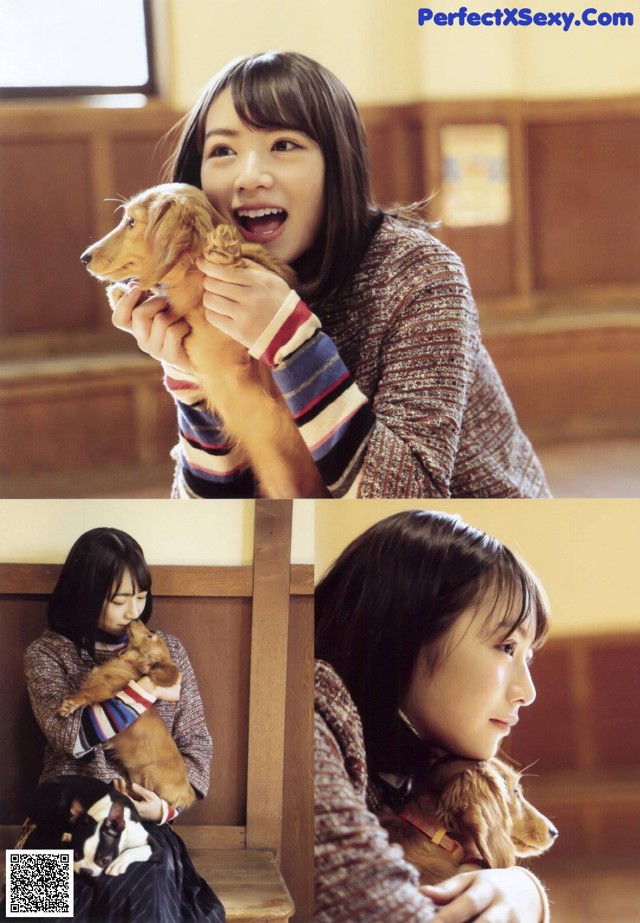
401, 440
48, 684
427, 368
209, 466
360, 878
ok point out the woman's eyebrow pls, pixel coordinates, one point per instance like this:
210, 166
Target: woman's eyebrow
222, 132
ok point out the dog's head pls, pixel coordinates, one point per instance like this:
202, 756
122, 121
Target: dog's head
484, 802
99, 835
92, 817
151, 654
161, 228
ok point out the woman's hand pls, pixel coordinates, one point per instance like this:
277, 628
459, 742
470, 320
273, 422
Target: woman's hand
241, 302
155, 328
163, 693
490, 896
148, 804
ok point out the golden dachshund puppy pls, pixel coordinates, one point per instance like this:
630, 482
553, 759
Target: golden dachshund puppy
473, 815
162, 233
145, 748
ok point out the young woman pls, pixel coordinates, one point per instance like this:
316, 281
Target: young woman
425, 628
378, 354
105, 584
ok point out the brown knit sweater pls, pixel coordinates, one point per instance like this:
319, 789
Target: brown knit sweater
54, 668
360, 878
407, 330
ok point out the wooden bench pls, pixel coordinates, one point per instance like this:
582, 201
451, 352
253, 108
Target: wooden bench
247, 881
248, 631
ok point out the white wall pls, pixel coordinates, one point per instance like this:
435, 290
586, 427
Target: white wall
169, 531
378, 49
584, 551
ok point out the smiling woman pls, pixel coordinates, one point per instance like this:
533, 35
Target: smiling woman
268, 182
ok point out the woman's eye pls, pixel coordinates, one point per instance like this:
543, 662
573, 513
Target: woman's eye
220, 150
508, 648
285, 145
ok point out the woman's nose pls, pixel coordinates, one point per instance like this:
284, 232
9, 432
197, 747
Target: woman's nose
253, 173
523, 689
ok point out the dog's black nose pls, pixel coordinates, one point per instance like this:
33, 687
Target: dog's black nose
86, 257
553, 832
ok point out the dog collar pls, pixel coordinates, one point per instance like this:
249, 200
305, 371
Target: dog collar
439, 837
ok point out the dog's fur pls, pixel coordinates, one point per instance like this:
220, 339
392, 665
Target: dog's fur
100, 825
482, 807
145, 748
162, 233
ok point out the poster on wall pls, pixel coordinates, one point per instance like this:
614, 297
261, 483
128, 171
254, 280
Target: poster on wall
475, 175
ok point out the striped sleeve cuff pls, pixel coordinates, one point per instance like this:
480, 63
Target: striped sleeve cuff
333, 415
293, 325
106, 719
169, 813
181, 385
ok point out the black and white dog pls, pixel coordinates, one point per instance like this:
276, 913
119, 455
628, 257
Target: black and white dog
89, 816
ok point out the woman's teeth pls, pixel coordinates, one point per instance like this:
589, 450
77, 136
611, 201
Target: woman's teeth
258, 212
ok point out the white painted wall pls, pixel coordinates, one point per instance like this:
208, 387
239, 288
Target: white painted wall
169, 531
377, 48
584, 551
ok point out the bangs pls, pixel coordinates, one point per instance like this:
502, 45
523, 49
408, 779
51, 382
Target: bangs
263, 99
265, 92
518, 597
128, 557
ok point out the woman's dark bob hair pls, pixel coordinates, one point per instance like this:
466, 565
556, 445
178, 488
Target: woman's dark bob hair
91, 574
291, 91
401, 585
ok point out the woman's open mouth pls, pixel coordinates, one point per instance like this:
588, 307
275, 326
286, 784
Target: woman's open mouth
260, 225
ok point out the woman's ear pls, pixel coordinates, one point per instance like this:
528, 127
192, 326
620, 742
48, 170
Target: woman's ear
475, 803
177, 228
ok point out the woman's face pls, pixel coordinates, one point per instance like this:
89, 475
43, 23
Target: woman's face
469, 701
268, 182
125, 604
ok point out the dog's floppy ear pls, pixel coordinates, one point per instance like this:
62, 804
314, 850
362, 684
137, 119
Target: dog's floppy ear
177, 227
475, 802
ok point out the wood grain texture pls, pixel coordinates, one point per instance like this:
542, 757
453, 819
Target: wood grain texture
269, 640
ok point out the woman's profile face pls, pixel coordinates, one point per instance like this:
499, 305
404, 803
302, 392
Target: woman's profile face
268, 182
469, 701
125, 604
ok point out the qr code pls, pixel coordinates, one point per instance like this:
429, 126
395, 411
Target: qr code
39, 882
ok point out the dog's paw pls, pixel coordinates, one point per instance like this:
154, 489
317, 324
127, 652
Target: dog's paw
68, 707
223, 246
115, 291
119, 866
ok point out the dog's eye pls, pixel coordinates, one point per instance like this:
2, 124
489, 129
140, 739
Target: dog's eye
131, 222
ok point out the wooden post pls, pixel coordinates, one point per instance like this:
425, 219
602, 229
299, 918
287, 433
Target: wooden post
269, 636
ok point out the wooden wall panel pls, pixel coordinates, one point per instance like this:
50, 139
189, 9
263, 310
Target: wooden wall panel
297, 846
587, 708
216, 634
544, 736
46, 216
488, 257
137, 163
21, 621
615, 670
394, 138
585, 207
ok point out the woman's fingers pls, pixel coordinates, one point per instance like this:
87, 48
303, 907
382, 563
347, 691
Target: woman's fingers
489, 896
465, 896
